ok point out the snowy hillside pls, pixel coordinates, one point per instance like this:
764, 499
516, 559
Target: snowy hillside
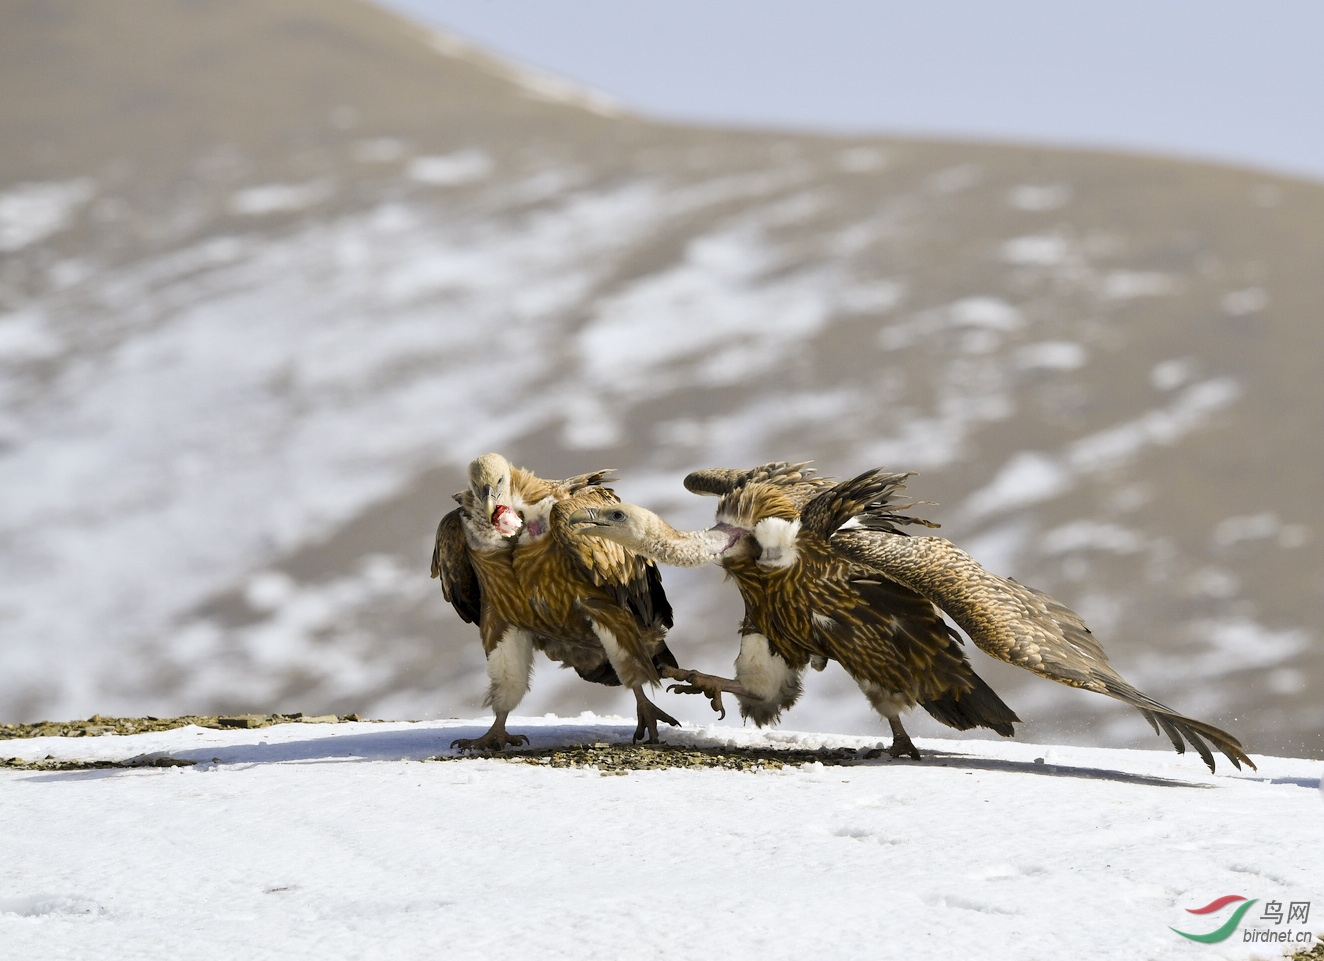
254, 321
341, 840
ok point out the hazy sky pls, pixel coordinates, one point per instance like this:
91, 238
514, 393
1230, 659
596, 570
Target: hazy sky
1241, 82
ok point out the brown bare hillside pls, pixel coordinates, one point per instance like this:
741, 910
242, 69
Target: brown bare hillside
272, 272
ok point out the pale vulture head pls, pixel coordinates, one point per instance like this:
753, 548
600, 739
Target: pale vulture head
643, 532
489, 483
627, 525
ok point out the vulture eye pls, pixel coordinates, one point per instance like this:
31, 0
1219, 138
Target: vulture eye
617, 515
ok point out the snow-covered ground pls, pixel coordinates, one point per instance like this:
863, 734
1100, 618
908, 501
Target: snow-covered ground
341, 841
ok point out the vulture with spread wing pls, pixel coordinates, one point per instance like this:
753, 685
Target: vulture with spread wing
827, 571
509, 562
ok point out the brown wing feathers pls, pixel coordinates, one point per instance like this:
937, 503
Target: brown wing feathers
867, 496
720, 481
450, 563
1022, 626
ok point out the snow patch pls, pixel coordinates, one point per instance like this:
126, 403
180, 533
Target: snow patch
450, 170
999, 549
954, 179
1029, 477
378, 150
717, 302
1130, 284
1052, 355
1117, 445
988, 312
878, 297
1232, 531
279, 198
1216, 582
1037, 199
30, 212
862, 160
1171, 374
1239, 303
1036, 251
24, 337
1091, 535
1241, 644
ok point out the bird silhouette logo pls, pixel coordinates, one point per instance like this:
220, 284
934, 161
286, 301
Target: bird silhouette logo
1225, 931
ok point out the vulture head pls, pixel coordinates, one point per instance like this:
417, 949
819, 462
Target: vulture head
627, 525
643, 532
489, 483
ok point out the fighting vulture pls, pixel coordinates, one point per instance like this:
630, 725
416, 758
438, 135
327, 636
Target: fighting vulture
826, 571
509, 562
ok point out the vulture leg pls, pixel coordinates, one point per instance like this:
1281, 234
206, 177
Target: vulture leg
902, 745
649, 715
710, 686
495, 739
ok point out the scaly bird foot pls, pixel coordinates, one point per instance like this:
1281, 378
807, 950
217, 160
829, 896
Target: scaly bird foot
710, 686
902, 746
493, 740
649, 715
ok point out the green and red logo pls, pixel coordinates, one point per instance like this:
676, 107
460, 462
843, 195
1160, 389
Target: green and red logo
1224, 931
1275, 923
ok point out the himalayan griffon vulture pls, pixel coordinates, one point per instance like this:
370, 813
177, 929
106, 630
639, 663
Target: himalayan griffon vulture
508, 562
828, 571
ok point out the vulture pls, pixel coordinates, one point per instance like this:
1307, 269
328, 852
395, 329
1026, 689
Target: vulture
827, 571
509, 562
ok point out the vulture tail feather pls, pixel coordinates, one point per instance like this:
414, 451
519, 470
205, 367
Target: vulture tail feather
978, 707
603, 674
1177, 726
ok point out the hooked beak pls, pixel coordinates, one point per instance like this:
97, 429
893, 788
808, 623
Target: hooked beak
586, 517
489, 500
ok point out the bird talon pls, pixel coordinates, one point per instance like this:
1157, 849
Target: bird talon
491, 741
649, 714
712, 692
904, 748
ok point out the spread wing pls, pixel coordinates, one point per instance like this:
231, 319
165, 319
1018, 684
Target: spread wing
450, 562
870, 494
1021, 626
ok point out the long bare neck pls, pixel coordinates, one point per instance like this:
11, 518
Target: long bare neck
664, 543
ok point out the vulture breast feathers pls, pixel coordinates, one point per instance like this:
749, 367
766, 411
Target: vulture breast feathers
581, 584
507, 559
546, 579
812, 600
